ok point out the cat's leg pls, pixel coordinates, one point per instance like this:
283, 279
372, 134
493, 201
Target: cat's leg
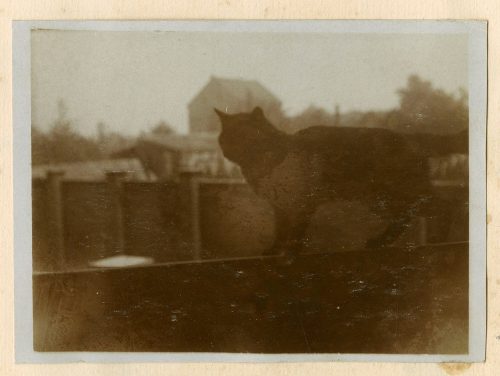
442, 213
281, 233
399, 212
290, 229
396, 227
297, 234
299, 222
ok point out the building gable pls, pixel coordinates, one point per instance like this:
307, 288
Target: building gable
233, 96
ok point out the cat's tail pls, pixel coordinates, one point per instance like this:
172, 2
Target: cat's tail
432, 145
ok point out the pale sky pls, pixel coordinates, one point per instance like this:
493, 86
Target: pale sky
130, 80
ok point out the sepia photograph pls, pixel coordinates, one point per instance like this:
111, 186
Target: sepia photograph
261, 188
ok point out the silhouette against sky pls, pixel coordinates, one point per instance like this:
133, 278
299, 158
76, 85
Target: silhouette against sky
130, 81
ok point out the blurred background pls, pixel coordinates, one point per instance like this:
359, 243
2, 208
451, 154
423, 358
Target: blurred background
126, 164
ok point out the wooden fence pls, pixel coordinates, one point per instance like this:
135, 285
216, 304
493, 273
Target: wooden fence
195, 218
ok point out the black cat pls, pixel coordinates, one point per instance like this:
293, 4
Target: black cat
386, 171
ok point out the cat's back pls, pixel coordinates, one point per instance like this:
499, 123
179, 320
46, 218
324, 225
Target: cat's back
351, 140
356, 160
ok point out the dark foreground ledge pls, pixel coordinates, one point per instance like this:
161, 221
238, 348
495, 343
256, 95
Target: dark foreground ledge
387, 301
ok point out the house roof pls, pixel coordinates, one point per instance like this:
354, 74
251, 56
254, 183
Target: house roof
239, 88
185, 143
92, 170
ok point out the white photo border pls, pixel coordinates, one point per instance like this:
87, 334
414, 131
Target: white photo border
477, 69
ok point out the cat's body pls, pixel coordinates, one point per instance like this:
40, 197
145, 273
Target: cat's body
296, 173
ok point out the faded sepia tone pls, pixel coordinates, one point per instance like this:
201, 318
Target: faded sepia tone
260, 229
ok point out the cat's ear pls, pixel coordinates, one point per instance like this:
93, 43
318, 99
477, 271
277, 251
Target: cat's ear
257, 113
220, 114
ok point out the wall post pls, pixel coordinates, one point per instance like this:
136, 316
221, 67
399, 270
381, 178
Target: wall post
55, 219
189, 212
115, 180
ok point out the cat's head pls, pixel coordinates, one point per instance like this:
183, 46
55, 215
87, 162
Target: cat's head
244, 121
244, 134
